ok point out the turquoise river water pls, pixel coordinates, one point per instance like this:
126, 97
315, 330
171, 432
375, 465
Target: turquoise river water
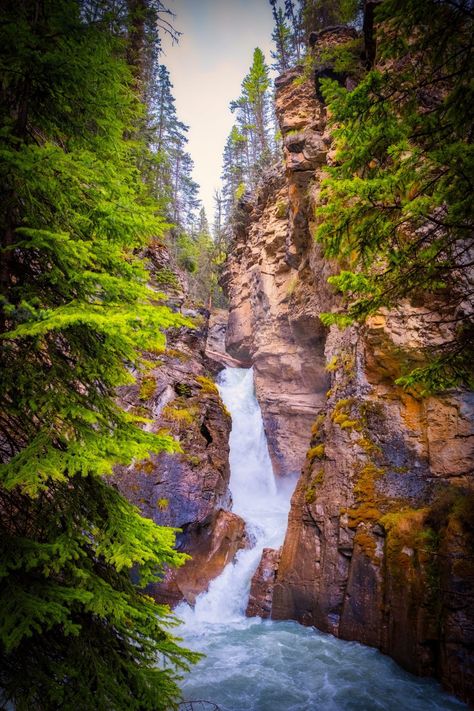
256, 665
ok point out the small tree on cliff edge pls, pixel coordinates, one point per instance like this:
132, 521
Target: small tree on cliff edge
255, 91
284, 54
294, 24
318, 14
249, 140
398, 205
75, 633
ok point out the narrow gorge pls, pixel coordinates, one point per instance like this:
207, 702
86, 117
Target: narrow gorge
379, 542
236, 356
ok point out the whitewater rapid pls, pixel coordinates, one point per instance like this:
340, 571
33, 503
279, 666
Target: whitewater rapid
257, 665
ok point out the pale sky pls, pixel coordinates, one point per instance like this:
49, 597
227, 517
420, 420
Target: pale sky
207, 68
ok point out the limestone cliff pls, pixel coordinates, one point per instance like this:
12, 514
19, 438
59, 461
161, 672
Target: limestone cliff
380, 542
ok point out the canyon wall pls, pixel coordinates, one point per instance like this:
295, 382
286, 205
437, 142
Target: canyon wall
380, 542
275, 280
187, 490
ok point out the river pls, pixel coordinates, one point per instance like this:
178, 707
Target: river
257, 665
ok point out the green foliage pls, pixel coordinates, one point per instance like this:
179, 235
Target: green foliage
183, 389
318, 14
332, 365
248, 150
257, 81
281, 210
167, 279
206, 385
397, 208
282, 36
201, 256
75, 631
147, 387
180, 413
167, 166
315, 452
240, 191
316, 483
309, 63
441, 373
345, 57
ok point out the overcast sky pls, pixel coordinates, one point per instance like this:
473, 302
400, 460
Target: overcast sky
207, 67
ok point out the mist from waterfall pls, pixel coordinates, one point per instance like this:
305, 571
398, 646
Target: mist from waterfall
256, 498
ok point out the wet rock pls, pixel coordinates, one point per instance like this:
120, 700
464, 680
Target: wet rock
263, 580
274, 292
370, 546
213, 542
188, 490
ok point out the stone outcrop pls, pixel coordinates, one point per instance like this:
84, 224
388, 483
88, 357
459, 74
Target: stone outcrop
380, 541
263, 581
212, 542
187, 490
215, 344
275, 285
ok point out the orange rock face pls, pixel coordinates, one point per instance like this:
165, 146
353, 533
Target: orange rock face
263, 581
380, 541
273, 287
213, 543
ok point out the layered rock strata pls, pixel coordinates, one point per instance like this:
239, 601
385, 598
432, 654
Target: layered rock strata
380, 542
263, 583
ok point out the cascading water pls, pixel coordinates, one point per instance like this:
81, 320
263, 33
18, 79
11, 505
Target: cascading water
256, 499
256, 665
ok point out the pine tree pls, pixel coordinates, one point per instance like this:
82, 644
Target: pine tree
218, 228
283, 55
201, 250
235, 168
185, 197
397, 208
171, 169
318, 14
75, 631
255, 90
203, 226
248, 148
294, 14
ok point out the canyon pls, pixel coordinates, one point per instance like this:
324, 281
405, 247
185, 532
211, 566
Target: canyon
380, 540
379, 546
188, 491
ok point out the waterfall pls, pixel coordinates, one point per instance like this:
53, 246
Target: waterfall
256, 498
256, 665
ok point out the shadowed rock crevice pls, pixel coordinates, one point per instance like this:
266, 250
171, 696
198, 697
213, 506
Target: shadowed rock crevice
204, 430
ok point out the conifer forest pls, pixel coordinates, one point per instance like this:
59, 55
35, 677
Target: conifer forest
237, 411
